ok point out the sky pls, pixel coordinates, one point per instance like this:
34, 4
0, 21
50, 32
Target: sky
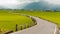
14, 3
53, 1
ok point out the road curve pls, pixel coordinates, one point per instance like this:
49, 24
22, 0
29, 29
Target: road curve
42, 27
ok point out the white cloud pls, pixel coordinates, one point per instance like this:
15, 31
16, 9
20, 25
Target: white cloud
13, 3
8, 2
53, 1
17, 2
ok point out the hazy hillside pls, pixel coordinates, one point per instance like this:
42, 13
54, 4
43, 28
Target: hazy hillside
42, 6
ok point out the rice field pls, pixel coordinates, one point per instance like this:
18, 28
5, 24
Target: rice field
51, 16
8, 22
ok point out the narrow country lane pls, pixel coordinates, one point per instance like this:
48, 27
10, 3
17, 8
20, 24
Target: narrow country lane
42, 27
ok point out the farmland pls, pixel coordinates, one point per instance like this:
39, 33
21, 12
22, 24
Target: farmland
9, 18
8, 21
50, 16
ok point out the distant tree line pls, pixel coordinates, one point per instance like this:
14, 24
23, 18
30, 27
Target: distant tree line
24, 10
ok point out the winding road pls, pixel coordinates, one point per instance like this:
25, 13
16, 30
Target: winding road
42, 27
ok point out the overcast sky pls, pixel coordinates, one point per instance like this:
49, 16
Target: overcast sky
11, 3
16, 2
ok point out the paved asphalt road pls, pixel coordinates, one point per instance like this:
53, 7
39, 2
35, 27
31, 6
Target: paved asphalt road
42, 27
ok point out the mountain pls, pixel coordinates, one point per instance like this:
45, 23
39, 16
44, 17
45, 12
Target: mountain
42, 6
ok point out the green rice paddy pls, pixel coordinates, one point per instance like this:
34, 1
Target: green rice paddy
8, 22
51, 16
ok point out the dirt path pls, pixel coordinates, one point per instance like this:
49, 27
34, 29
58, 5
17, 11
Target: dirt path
42, 27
